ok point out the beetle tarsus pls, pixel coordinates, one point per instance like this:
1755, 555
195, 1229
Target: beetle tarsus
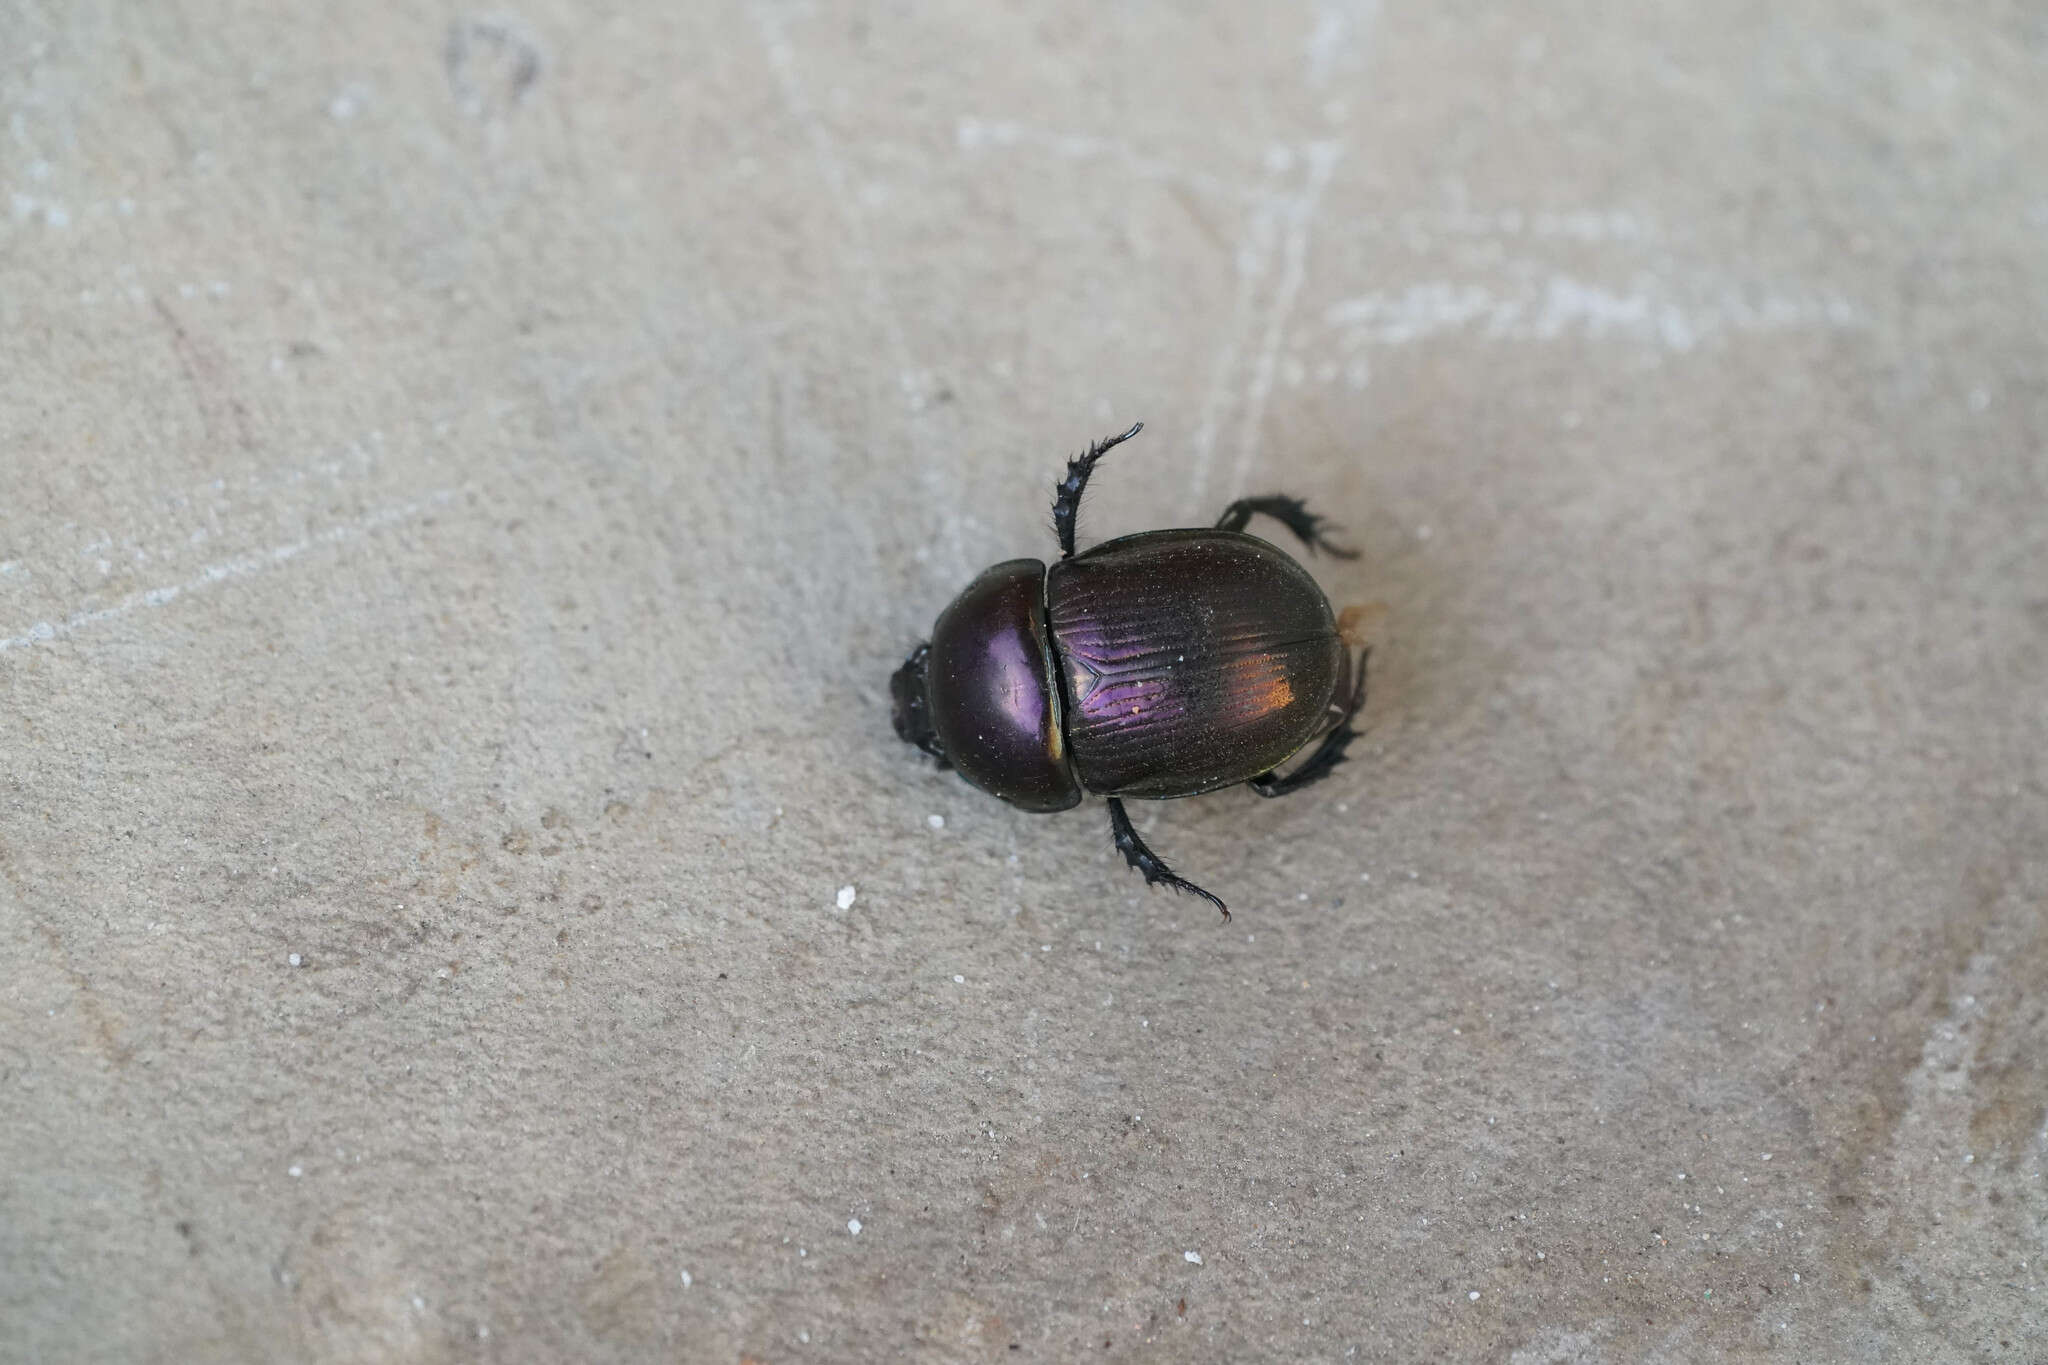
1155, 871
1330, 752
1292, 513
1066, 502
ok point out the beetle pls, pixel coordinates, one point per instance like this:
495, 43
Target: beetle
1164, 664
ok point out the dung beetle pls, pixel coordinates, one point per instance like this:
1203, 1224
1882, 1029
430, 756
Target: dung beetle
1163, 664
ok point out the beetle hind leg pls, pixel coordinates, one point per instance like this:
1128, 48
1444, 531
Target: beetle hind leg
1146, 861
1292, 513
1330, 752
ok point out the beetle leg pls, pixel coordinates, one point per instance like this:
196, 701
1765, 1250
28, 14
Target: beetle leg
1146, 861
1066, 501
1330, 752
1292, 513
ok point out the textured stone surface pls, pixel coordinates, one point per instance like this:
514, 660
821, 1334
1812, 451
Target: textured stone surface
466, 478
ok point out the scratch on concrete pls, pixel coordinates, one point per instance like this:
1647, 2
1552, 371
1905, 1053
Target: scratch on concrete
913, 378
205, 372
1337, 32
1322, 162
973, 134
241, 566
1250, 261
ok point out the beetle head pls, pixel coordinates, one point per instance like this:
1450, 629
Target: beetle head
913, 705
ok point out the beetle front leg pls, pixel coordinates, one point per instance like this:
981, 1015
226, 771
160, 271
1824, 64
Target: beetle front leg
1146, 861
1292, 513
1330, 752
1066, 500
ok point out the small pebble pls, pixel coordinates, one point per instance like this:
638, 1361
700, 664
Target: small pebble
1192, 1257
846, 895
853, 1226
935, 821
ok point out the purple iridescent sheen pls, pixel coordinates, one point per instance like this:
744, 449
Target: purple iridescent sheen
994, 701
1191, 659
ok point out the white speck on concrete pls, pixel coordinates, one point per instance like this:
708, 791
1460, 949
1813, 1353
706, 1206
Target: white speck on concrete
295, 960
295, 1171
935, 821
846, 896
27, 206
1192, 1257
853, 1227
687, 1281
1473, 1296
959, 980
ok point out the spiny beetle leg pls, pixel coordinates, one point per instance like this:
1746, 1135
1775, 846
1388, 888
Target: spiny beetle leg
1146, 861
1066, 502
1292, 513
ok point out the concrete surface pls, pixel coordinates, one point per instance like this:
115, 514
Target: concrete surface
467, 479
